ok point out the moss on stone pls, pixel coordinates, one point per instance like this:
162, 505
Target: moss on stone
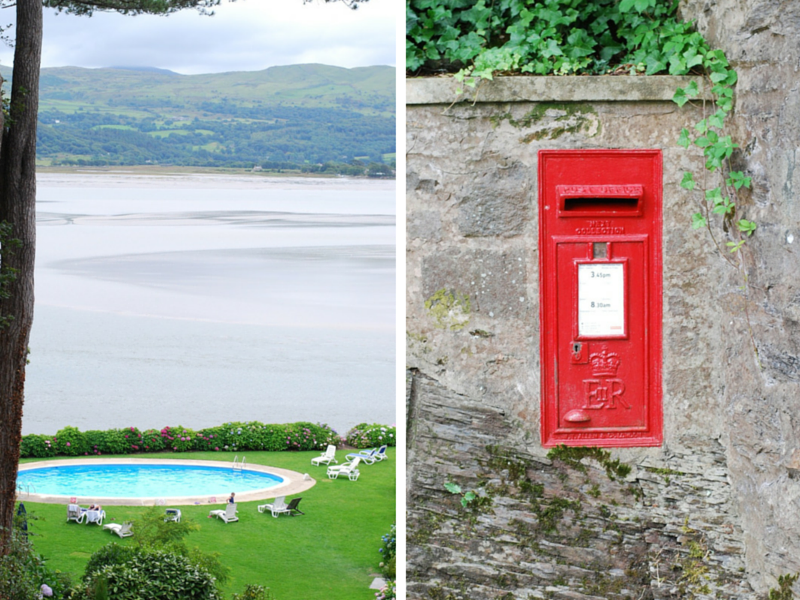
449, 310
572, 456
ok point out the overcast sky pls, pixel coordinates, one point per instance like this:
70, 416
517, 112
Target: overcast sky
246, 35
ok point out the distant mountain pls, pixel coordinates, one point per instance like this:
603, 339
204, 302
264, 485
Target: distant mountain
131, 115
148, 69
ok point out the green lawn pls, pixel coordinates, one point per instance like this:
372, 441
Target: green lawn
329, 553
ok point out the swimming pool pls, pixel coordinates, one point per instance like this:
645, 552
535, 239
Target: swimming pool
147, 481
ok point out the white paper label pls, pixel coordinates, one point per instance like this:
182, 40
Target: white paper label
601, 299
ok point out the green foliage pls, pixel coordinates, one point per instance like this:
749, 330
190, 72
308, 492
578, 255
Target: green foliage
152, 441
179, 439
40, 446
254, 592
110, 441
387, 592
153, 532
23, 572
70, 442
545, 37
109, 555
466, 497
155, 575
238, 436
373, 435
784, 589
388, 552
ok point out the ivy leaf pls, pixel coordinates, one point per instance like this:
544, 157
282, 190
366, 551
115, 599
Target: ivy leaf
746, 226
717, 119
626, 5
698, 221
702, 126
724, 207
684, 140
718, 77
453, 488
737, 180
702, 141
735, 246
688, 181
680, 98
725, 104
691, 89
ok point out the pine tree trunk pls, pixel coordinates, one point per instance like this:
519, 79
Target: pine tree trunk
18, 207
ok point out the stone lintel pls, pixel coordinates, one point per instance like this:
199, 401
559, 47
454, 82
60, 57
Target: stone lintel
601, 88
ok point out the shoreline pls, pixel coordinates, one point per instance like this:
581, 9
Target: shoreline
164, 170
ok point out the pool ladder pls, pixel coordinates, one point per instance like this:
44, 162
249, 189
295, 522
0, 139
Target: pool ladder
240, 465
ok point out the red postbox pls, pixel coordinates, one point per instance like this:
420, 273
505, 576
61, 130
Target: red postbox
600, 297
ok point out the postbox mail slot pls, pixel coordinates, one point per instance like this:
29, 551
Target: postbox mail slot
599, 200
600, 244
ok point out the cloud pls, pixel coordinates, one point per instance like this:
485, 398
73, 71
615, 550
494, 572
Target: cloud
247, 35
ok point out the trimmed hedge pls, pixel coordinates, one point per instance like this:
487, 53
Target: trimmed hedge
235, 436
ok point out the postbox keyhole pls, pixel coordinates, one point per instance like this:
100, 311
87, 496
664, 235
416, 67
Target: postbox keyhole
579, 353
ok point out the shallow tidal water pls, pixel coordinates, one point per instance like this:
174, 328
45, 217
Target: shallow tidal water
202, 299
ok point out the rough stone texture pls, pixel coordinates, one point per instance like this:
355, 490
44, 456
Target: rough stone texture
762, 405
677, 526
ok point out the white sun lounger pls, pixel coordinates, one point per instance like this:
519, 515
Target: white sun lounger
326, 457
277, 506
124, 530
350, 469
369, 456
228, 515
95, 516
173, 514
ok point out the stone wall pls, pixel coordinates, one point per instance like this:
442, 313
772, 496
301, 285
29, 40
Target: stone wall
762, 402
668, 522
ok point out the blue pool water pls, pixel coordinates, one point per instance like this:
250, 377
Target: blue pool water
142, 481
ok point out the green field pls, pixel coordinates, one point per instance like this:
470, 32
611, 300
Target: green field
330, 553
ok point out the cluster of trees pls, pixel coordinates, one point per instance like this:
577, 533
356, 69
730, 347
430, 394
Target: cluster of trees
282, 134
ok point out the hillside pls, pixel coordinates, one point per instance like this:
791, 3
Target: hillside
303, 114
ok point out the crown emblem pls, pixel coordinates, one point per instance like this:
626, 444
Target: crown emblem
604, 363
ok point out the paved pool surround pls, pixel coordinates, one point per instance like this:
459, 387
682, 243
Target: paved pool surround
293, 483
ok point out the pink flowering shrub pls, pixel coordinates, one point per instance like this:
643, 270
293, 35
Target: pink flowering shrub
364, 435
70, 442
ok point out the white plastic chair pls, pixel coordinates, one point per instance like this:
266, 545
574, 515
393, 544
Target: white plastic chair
75, 513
